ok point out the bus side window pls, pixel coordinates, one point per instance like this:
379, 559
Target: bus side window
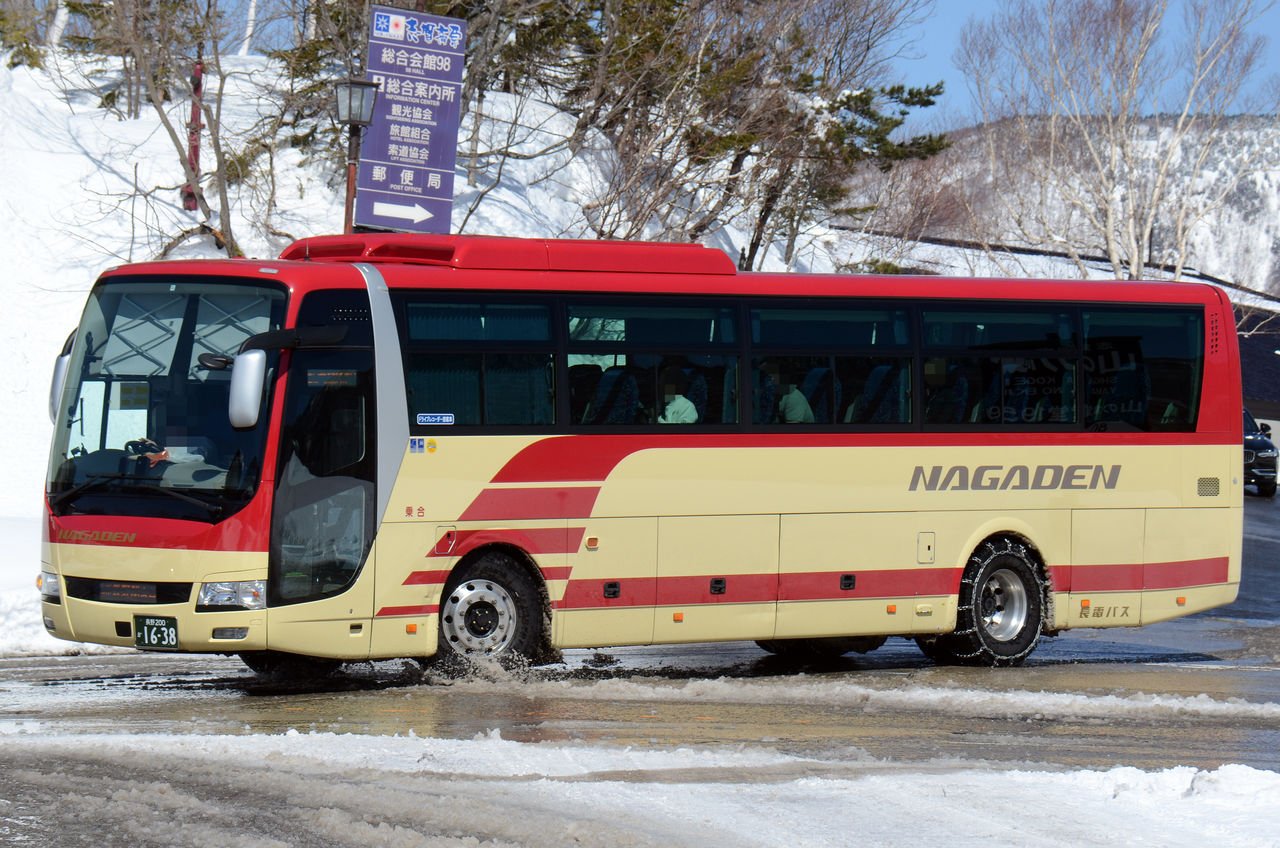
1143, 368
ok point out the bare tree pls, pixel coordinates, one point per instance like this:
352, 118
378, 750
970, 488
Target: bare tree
737, 111
1098, 119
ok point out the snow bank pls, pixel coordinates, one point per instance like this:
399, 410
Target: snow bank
684, 796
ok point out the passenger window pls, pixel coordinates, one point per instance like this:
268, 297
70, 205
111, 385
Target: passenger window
995, 392
441, 322
795, 390
1142, 369
874, 389
653, 388
473, 389
651, 326
472, 364
992, 330
829, 326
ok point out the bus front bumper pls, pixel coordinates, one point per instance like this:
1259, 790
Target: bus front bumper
157, 627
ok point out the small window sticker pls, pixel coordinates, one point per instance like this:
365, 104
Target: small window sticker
427, 419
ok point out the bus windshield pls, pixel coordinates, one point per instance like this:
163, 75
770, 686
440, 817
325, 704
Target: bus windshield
142, 425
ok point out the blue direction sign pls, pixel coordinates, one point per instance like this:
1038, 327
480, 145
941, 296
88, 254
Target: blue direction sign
405, 177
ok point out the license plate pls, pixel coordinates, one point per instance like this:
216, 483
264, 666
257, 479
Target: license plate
152, 631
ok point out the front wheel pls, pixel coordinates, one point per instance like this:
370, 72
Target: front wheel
280, 665
1001, 608
492, 609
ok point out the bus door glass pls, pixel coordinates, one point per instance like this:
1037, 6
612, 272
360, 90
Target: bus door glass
324, 519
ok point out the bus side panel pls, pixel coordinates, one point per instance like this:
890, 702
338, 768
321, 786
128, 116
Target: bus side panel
608, 599
1192, 561
717, 578
869, 574
407, 591
337, 627
1107, 549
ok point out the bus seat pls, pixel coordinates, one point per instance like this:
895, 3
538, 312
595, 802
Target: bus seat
1018, 408
617, 398
697, 392
765, 396
881, 399
821, 388
583, 379
1126, 400
949, 404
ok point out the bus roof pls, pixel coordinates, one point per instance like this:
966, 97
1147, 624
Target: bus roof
518, 264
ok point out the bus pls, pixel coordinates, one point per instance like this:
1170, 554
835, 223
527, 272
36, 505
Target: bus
467, 447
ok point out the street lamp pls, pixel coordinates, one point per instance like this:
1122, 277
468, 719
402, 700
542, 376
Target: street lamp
354, 99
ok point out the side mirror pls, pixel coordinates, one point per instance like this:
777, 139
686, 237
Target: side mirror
248, 379
61, 366
1265, 428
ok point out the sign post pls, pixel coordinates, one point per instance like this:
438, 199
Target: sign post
405, 176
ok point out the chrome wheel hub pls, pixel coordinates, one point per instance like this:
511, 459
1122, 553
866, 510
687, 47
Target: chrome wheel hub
1003, 605
478, 617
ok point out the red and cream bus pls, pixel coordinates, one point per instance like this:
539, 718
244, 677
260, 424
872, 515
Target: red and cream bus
408, 446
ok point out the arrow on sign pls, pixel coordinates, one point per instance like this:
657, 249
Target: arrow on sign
414, 213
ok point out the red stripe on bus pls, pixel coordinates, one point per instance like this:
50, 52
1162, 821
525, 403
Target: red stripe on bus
1135, 578
589, 594
441, 576
1103, 578
1177, 575
532, 503
761, 588
592, 457
426, 578
901, 583
425, 609
548, 540
738, 589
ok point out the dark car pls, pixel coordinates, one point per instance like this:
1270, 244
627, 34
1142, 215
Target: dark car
1259, 457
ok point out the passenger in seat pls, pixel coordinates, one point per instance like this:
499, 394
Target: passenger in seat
793, 406
679, 409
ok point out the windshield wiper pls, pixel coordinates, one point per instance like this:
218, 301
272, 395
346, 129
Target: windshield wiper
89, 482
95, 480
213, 509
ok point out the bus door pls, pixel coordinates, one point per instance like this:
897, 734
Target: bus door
325, 510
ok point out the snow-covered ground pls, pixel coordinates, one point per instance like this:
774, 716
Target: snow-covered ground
65, 214
559, 794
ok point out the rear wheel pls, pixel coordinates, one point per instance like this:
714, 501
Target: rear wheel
1000, 612
492, 609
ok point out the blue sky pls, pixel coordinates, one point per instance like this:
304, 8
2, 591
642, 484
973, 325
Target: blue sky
938, 36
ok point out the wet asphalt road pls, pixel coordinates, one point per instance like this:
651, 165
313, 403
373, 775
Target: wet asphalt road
1197, 691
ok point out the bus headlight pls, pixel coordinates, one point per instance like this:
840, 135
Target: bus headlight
244, 594
50, 588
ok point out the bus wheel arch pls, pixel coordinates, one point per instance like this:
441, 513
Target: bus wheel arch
495, 605
1003, 605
